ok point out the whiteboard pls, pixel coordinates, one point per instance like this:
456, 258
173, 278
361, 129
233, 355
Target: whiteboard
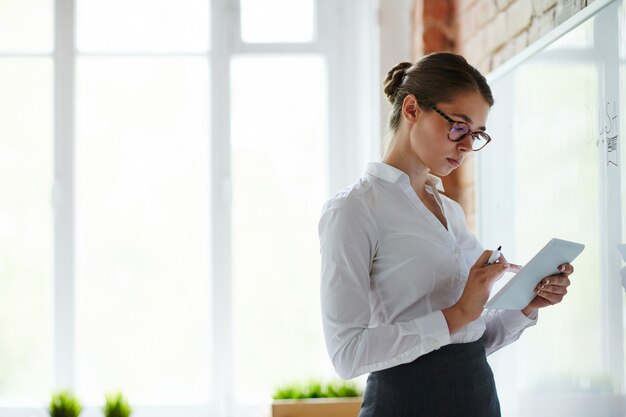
554, 169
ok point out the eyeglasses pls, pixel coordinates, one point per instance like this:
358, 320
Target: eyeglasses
459, 130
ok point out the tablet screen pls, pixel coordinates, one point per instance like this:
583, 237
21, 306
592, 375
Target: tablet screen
519, 291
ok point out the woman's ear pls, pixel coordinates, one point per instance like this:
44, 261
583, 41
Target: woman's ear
410, 108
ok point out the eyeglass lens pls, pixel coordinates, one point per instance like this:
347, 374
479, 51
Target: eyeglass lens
459, 130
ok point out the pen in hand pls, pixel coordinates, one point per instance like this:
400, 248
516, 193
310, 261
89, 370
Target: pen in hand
494, 256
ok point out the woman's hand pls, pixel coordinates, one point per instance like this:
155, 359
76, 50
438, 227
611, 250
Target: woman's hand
477, 289
550, 290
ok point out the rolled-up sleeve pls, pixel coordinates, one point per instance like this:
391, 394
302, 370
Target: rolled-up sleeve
348, 242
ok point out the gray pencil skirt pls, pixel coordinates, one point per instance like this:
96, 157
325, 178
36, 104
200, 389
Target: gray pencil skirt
453, 381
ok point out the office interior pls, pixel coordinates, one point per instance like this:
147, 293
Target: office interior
164, 165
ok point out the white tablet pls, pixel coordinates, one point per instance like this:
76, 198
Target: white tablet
520, 290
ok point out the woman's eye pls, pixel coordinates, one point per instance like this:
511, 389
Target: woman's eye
459, 128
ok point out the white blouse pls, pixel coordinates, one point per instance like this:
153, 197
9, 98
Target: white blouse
389, 267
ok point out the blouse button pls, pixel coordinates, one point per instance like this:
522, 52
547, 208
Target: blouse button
457, 250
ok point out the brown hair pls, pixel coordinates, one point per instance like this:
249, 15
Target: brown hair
437, 77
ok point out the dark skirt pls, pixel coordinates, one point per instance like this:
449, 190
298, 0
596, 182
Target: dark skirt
453, 381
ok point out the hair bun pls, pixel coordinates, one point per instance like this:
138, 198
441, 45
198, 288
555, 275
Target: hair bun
393, 81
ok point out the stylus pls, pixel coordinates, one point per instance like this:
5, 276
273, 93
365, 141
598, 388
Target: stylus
494, 256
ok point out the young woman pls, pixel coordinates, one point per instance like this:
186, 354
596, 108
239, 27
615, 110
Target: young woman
404, 282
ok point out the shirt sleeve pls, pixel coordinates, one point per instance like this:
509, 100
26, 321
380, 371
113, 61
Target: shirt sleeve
502, 327
348, 242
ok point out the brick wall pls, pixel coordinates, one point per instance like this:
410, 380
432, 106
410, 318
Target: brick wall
436, 31
487, 33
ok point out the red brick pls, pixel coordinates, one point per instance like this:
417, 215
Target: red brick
440, 10
435, 40
417, 44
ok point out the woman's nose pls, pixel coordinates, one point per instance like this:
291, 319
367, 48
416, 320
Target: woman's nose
466, 144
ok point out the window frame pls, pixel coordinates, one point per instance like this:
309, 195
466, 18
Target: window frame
354, 127
350, 128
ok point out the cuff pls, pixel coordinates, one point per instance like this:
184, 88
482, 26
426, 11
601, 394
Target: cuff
433, 329
515, 320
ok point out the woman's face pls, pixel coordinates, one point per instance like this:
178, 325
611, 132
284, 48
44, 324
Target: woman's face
428, 132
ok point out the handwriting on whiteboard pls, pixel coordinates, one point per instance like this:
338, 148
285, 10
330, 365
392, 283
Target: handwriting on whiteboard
608, 132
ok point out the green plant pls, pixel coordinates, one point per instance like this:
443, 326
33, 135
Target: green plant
64, 404
316, 389
116, 405
343, 390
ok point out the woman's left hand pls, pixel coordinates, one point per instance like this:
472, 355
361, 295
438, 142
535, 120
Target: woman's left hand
550, 290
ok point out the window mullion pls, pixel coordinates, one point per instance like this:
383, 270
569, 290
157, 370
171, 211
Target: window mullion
353, 75
63, 193
280, 48
224, 29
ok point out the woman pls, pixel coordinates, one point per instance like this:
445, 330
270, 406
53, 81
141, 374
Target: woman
400, 297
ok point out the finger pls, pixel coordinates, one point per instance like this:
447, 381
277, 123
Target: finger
483, 258
561, 280
495, 271
553, 289
566, 269
502, 259
550, 297
513, 267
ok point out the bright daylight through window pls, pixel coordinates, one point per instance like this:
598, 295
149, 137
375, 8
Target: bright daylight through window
162, 186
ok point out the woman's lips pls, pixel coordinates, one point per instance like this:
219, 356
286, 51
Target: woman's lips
454, 162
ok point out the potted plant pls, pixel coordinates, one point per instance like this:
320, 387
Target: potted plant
115, 405
314, 399
64, 404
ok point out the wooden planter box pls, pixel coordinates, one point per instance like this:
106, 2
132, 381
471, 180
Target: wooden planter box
317, 407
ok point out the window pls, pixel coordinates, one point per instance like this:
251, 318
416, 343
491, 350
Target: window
261, 24
142, 228
287, 91
279, 162
164, 167
142, 201
26, 218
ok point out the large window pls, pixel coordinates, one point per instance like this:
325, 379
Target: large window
163, 168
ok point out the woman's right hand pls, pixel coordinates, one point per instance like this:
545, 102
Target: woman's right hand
481, 278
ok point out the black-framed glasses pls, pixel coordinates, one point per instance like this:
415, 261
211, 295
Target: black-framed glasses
459, 130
